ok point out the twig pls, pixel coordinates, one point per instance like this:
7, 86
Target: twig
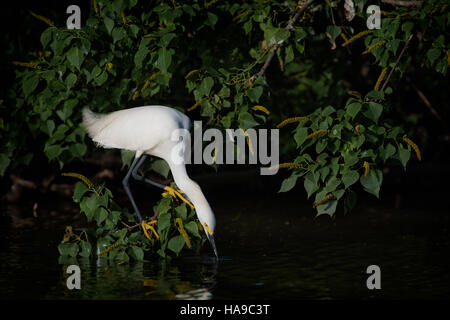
403, 3
138, 224
289, 27
424, 99
22, 182
396, 63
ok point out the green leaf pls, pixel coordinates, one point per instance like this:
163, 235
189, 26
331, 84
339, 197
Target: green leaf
206, 86
136, 253
334, 31
211, 19
404, 155
311, 183
328, 207
78, 150
255, 93
181, 211
109, 24
433, 54
30, 83
100, 215
86, 249
75, 57
350, 201
372, 183
353, 109
164, 59
88, 206
332, 184
375, 94
246, 121
289, 183
68, 249
289, 57
176, 244
387, 152
80, 190
300, 135
163, 221
161, 167
46, 36
349, 177
71, 79
374, 111
118, 34
140, 55
192, 228
4, 163
53, 151
122, 257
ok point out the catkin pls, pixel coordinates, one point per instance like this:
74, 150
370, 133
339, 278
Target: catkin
43, 19
379, 44
366, 166
448, 57
261, 108
380, 78
414, 146
355, 94
291, 120
115, 245
135, 95
195, 105
343, 36
210, 3
325, 199
33, 65
192, 72
147, 83
183, 232
316, 133
290, 165
356, 37
95, 6
243, 14
79, 176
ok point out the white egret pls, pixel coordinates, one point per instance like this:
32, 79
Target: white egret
148, 131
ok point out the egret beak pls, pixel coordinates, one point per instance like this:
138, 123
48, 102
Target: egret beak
213, 244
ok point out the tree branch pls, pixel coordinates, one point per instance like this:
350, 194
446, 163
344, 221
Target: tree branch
396, 63
289, 27
403, 3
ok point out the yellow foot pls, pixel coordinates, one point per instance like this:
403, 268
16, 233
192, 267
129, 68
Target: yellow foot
174, 193
148, 226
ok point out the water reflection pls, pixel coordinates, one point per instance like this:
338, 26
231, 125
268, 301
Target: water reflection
266, 255
144, 280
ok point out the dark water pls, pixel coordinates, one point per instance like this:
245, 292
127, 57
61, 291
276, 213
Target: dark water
270, 248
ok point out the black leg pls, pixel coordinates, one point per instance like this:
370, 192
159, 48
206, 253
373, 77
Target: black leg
143, 179
126, 186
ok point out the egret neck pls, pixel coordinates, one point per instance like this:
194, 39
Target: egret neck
197, 198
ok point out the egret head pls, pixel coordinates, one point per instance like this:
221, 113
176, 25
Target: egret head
208, 220
204, 212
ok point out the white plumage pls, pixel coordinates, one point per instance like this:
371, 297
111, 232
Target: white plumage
148, 130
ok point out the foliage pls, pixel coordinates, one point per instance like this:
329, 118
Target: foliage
200, 57
339, 147
116, 235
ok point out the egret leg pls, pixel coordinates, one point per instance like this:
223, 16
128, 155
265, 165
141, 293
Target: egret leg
141, 178
126, 186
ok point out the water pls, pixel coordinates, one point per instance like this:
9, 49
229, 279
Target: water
270, 247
